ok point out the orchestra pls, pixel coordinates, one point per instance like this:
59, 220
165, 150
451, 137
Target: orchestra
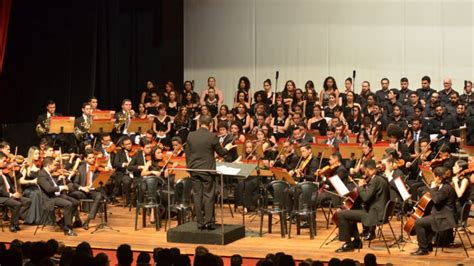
422, 131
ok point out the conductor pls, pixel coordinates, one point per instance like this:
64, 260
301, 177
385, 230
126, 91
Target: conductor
200, 149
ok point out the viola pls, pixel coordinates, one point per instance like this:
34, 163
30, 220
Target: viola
11, 167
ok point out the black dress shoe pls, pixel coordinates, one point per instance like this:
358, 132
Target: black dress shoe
420, 252
17, 227
69, 232
345, 248
13, 229
210, 226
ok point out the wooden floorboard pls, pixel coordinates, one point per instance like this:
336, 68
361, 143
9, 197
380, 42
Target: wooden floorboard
300, 246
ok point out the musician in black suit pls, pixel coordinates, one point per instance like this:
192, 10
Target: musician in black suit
225, 138
307, 166
374, 193
200, 149
287, 158
122, 118
331, 138
328, 193
83, 123
81, 188
52, 194
64, 140
138, 161
11, 198
442, 214
123, 177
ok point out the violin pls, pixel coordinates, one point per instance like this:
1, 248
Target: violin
11, 167
100, 165
327, 170
438, 161
112, 149
134, 150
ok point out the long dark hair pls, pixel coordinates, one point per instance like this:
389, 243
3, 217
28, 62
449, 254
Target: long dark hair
325, 84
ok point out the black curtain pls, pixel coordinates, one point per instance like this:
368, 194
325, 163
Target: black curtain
70, 50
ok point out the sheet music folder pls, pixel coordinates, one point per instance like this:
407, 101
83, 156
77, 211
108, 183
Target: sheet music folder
245, 169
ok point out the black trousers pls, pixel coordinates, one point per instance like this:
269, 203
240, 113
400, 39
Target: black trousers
246, 193
125, 182
94, 195
348, 220
424, 233
204, 190
67, 207
17, 207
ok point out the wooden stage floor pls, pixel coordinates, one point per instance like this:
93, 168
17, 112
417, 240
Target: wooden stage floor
252, 246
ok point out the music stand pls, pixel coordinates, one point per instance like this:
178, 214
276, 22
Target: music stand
350, 151
103, 114
427, 174
282, 174
98, 182
379, 150
139, 125
322, 150
61, 125
102, 126
102, 179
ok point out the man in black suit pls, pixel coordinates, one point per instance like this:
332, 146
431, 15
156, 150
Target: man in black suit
307, 166
83, 123
52, 194
442, 214
374, 193
287, 159
64, 140
331, 138
123, 177
122, 118
200, 149
81, 188
11, 198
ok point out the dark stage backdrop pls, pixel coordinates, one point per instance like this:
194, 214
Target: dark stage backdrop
70, 50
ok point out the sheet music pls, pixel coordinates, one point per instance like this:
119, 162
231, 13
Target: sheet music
226, 170
339, 185
401, 188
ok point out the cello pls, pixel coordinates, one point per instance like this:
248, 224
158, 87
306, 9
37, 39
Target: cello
421, 209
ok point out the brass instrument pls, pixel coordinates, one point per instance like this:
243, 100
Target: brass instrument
83, 129
122, 119
43, 128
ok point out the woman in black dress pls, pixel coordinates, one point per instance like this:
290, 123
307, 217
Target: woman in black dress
162, 126
317, 122
243, 117
182, 124
280, 123
172, 106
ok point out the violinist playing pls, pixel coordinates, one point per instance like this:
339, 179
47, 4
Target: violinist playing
177, 145
367, 154
327, 191
442, 217
414, 180
287, 158
374, 192
461, 184
81, 187
9, 195
308, 164
158, 165
225, 137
